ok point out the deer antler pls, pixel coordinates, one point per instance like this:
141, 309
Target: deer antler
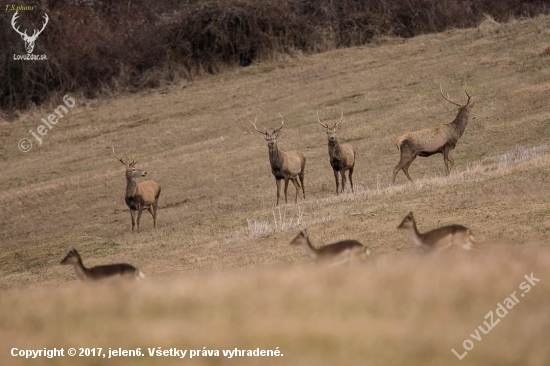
469, 97
119, 159
36, 33
254, 124
282, 124
447, 97
340, 121
13, 19
319, 121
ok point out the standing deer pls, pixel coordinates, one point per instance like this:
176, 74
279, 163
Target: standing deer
342, 157
343, 250
29, 41
439, 139
287, 165
100, 272
438, 239
139, 196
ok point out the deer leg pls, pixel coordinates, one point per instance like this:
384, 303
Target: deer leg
343, 174
286, 189
406, 168
133, 221
150, 209
451, 161
140, 211
297, 186
351, 180
446, 159
278, 182
155, 207
301, 176
336, 178
406, 158
402, 162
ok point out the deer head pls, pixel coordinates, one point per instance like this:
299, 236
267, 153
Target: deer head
271, 138
131, 170
331, 131
407, 222
71, 258
29, 41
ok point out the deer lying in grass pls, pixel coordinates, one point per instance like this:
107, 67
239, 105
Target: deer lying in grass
342, 157
139, 196
344, 250
287, 165
439, 139
438, 239
100, 272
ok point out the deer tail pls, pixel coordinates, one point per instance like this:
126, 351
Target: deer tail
368, 252
399, 141
140, 275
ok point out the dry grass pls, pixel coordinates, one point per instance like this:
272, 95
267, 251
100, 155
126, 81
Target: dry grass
216, 281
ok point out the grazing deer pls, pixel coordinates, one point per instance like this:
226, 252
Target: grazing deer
287, 165
342, 157
438, 239
139, 196
344, 250
99, 272
439, 139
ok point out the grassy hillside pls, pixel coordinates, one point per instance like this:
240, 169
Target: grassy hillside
220, 271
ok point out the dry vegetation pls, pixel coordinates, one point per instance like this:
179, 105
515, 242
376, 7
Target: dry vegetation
216, 281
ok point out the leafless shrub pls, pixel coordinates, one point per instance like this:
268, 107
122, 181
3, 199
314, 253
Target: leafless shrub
107, 46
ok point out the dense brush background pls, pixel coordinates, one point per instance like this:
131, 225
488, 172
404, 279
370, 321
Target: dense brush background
105, 46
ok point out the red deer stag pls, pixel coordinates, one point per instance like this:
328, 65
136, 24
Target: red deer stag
439, 139
139, 196
287, 165
342, 157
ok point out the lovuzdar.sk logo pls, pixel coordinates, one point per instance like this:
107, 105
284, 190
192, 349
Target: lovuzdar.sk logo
29, 40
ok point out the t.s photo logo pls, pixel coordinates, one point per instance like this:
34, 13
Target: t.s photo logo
29, 40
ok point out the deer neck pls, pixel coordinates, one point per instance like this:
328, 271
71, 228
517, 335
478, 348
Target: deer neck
414, 235
276, 157
334, 148
309, 249
81, 271
460, 122
131, 187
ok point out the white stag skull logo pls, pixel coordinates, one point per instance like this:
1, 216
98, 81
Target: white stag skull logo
29, 41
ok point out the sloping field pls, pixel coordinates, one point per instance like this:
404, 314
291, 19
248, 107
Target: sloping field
220, 271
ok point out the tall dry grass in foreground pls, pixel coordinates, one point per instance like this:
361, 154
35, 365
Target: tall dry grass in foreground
390, 311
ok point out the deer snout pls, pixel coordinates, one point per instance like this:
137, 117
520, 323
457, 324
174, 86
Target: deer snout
143, 174
331, 138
